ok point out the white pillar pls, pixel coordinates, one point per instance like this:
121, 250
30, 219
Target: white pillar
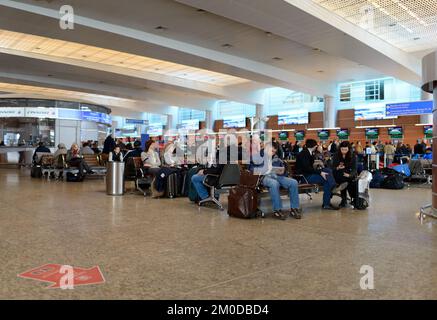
329, 112
208, 120
426, 118
171, 123
259, 115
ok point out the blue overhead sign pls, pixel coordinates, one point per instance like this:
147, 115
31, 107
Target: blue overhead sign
137, 121
409, 108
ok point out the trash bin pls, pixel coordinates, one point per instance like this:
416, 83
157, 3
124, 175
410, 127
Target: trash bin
115, 178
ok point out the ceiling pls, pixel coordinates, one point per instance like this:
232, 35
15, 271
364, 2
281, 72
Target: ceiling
410, 25
162, 52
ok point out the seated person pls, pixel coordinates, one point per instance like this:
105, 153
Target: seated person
324, 177
197, 180
116, 155
40, 149
344, 167
95, 148
86, 149
75, 159
134, 153
170, 158
62, 151
150, 157
275, 178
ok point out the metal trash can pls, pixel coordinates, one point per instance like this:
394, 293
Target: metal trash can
115, 178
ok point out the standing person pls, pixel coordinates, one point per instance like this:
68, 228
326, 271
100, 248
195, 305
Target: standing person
344, 167
389, 151
419, 147
324, 177
109, 144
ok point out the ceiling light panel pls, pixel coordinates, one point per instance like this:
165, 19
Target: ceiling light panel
396, 21
63, 49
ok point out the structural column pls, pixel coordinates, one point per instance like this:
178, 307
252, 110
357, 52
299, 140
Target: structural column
170, 122
208, 120
329, 112
429, 80
260, 125
426, 118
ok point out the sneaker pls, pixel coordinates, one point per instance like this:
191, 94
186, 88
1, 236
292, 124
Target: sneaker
279, 215
340, 188
209, 204
330, 207
296, 213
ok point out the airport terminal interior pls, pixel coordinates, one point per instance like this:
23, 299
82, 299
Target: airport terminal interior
218, 150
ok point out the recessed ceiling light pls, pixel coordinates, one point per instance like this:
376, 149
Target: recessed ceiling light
416, 38
201, 11
37, 48
227, 45
394, 24
84, 56
49, 75
317, 50
161, 28
268, 34
157, 69
320, 71
277, 58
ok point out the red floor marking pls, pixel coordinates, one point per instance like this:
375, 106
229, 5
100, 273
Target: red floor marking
50, 273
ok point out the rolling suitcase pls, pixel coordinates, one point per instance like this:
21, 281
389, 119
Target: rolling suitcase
172, 186
243, 203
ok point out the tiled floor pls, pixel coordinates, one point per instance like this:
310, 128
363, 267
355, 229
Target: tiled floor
170, 249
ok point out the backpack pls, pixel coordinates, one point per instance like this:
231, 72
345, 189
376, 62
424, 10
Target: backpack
74, 177
377, 179
393, 181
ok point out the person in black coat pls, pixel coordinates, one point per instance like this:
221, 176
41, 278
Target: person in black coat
344, 166
109, 145
324, 177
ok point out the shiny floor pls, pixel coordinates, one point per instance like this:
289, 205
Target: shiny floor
170, 249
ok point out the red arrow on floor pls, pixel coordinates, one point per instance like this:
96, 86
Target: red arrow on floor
50, 273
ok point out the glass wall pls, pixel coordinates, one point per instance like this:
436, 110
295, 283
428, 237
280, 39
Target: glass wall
387, 90
27, 131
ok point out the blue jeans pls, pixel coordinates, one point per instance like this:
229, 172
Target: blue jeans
327, 184
274, 183
201, 189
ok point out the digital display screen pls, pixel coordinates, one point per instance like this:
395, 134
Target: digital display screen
190, 125
283, 135
155, 130
427, 130
374, 111
372, 133
293, 117
343, 134
396, 132
299, 135
235, 122
323, 134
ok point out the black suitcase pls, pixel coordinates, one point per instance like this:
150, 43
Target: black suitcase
36, 172
172, 186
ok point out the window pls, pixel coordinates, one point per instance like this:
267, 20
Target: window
345, 93
374, 90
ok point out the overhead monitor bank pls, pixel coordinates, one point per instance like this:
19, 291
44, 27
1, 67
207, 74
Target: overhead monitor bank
25, 122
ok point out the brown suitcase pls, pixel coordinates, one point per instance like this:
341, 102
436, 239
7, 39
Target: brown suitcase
243, 203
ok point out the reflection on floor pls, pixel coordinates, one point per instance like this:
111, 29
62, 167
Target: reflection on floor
170, 249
